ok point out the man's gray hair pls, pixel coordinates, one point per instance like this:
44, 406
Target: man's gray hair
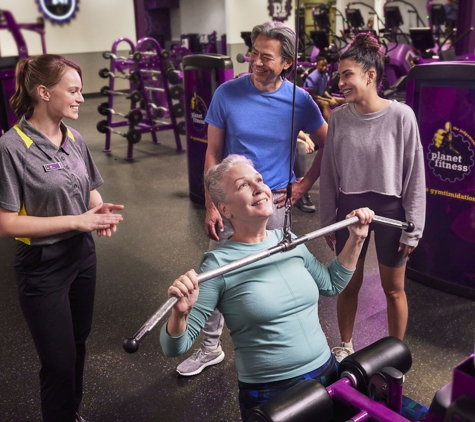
278, 31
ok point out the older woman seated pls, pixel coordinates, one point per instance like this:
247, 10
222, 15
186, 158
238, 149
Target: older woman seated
270, 306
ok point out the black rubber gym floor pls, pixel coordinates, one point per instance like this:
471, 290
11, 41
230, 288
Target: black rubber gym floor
161, 237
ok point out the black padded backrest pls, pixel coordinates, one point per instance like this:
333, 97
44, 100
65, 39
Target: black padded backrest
307, 401
388, 351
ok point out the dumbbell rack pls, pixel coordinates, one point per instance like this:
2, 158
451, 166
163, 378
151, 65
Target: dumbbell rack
146, 71
123, 67
157, 96
208, 46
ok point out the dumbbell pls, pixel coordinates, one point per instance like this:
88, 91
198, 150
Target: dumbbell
109, 55
136, 57
241, 58
181, 128
134, 116
164, 55
158, 111
176, 92
134, 76
135, 96
133, 135
174, 76
178, 110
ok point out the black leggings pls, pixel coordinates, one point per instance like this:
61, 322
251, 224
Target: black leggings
56, 286
386, 238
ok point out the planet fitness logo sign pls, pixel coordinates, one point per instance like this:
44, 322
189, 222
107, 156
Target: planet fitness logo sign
58, 11
280, 10
450, 156
198, 113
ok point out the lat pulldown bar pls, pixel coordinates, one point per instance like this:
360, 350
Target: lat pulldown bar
131, 345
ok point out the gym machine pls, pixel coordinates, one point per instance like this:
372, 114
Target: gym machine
203, 73
200, 43
8, 64
370, 388
131, 345
398, 55
195, 44
370, 385
428, 40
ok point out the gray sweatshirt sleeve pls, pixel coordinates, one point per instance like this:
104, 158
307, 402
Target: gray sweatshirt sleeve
329, 180
414, 185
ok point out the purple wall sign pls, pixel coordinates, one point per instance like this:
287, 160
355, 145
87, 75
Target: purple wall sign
58, 11
443, 98
279, 10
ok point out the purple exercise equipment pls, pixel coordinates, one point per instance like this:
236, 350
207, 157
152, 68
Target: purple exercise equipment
8, 64
370, 389
442, 96
203, 73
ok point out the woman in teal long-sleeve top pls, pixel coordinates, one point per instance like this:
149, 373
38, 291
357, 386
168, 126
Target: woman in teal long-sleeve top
270, 306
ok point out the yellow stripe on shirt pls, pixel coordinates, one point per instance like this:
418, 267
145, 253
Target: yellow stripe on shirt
26, 139
26, 240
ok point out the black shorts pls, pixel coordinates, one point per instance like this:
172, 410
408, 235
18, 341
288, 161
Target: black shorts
386, 238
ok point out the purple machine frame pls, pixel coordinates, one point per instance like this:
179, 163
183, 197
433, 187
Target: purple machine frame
202, 74
400, 61
8, 64
442, 96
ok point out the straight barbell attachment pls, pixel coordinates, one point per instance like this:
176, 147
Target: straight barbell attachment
132, 135
134, 116
136, 57
163, 55
135, 95
154, 89
134, 76
176, 91
131, 345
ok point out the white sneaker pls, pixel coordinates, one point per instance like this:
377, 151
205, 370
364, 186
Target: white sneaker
343, 350
199, 360
79, 418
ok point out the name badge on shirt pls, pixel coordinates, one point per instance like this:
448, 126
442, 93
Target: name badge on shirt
52, 166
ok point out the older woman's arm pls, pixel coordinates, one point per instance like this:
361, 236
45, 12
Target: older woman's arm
348, 257
186, 288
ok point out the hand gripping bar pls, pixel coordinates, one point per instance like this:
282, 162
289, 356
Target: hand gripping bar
131, 345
